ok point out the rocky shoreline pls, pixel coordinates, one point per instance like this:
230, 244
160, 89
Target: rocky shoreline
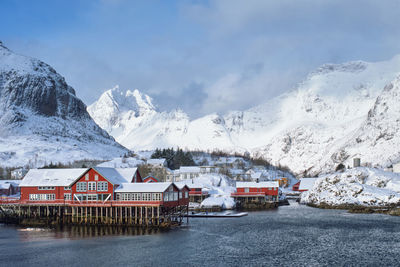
393, 210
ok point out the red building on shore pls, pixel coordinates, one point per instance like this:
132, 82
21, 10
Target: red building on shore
253, 191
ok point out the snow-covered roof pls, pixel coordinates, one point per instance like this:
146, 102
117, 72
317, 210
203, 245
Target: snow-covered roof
143, 187
51, 177
307, 183
156, 161
256, 175
115, 176
127, 173
257, 185
5, 184
181, 186
149, 179
189, 184
187, 169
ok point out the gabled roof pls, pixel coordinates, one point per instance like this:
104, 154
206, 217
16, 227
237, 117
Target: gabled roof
149, 179
127, 173
143, 187
51, 177
257, 185
307, 183
113, 175
181, 186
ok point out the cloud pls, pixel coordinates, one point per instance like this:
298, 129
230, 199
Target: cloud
202, 57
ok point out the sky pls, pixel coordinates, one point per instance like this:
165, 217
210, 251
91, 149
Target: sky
198, 56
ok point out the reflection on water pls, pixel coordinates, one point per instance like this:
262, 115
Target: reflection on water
82, 231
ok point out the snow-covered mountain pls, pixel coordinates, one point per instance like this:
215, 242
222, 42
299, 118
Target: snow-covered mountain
310, 129
42, 120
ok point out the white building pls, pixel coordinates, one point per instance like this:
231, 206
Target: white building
396, 167
158, 162
18, 173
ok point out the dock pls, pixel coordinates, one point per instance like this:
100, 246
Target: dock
216, 215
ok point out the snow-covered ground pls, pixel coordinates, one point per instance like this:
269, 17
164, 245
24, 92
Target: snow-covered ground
359, 186
218, 186
129, 162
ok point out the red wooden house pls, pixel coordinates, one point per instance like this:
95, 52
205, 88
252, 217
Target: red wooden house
183, 194
53, 185
261, 191
9, 187
76, 185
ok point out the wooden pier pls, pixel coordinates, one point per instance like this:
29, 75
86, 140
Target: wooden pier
92, 213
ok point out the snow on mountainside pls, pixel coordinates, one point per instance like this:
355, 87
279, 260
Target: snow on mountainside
359, 186
307, 129
42, 120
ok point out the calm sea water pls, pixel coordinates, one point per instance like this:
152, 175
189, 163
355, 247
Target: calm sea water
290, 236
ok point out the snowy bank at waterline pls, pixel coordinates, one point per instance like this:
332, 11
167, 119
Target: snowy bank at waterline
358, 187
219, 188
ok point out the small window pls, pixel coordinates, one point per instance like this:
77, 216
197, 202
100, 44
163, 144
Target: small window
87, 176
96, 177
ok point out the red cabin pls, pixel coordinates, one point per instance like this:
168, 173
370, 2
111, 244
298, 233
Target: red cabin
48, 185
183, 194
263, 190
9, 187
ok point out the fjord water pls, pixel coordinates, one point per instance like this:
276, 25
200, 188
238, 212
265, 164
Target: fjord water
293, 235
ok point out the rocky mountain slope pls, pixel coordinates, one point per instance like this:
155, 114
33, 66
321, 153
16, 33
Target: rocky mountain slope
335, 114
42, 120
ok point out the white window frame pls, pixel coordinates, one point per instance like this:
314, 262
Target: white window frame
91, 186
81, 187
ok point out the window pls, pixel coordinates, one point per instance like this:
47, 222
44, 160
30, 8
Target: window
156, 197
40, 197
96, 177
92, 197
186, 194
87, 177
246, 190
165, 196
67, 196
175, 196
92, 186
67, 188
46, 188
180, 195
102, 186
81, 186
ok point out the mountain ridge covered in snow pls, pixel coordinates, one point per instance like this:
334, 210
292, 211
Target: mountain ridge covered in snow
310, 129
41, 118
